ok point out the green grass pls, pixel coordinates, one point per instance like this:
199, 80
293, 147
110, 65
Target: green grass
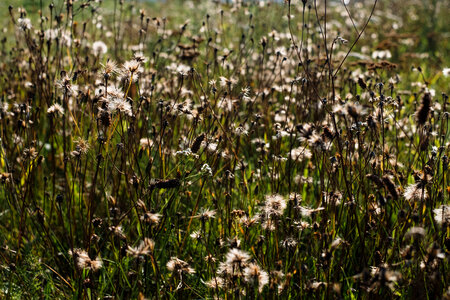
297, 178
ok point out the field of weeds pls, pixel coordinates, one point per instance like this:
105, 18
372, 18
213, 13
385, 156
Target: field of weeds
224, 149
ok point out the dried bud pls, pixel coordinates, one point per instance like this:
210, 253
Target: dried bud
166, 184
197, 142
424, 109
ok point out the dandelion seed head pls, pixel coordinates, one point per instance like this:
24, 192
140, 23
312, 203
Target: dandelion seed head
176, 265
83, 261
414, 192
55, 109
215, 283
237, 258
24, 24
146, 247
254, 275
132, 66
274, 205
151, 218
442, 215
110, 68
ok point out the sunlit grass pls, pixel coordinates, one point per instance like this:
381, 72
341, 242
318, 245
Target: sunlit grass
197, 149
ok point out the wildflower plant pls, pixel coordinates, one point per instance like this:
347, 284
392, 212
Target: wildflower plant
224, 149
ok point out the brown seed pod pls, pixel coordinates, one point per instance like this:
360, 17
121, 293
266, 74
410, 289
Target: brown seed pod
375, 179
105, 118
197, 142
362, 83
390, 186
424, 109
353, 111
166, 184
327, 132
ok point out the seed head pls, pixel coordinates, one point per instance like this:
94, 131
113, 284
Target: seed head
146, 247
275, 205
176, 265
442, 215
415, 192
55, 109
254, 275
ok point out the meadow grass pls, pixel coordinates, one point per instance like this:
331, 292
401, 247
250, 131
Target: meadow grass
204, 149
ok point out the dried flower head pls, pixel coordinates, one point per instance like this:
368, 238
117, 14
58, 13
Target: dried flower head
24, 24
132, 66
442, 215
215, 283
110, 68
65, 84
118, 104
415, 192
178, 266
390, 186
55, 109
151, 218
274, 205
206, 214
83, 261
146, 247
81, 146
254, 275
99, 48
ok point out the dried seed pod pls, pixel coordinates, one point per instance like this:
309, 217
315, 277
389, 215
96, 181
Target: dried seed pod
352, 111
197, 142
166, 184
362, 83
105, 118
390, 186
328, 133
375, 179
424, 109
